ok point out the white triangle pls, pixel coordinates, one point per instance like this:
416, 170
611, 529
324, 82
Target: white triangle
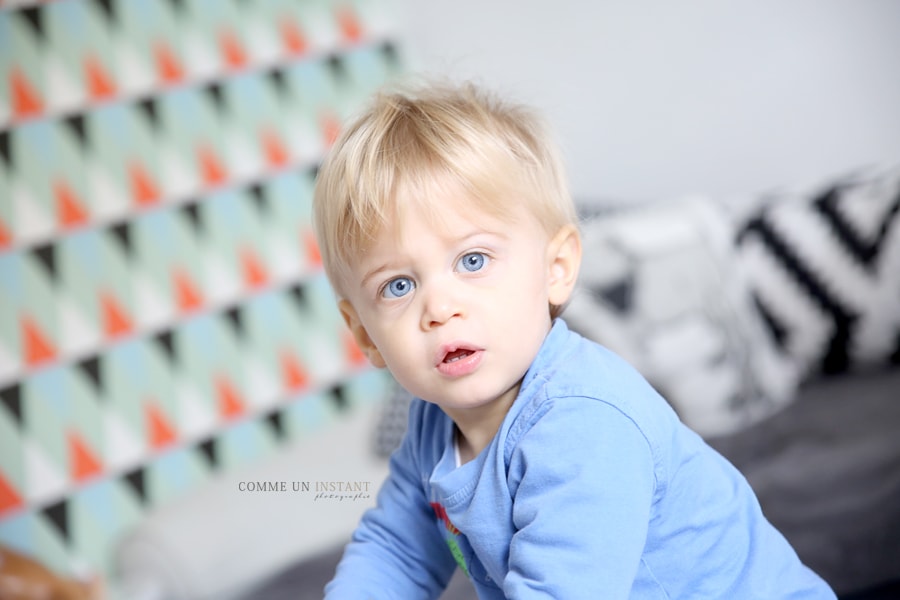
328, 363
9, 363
222, 281
63, 92
152, 308
179, 180
200, 57
262, 43
124, 447
264, 385
5, 111
304, 139
195, 417
32, 221
285, 258
108, 200
244, 158
133, 75
76, 333
43, 480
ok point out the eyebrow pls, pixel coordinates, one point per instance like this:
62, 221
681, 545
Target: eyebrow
372, 273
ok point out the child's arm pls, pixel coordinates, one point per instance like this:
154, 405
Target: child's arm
397, 550
583, 483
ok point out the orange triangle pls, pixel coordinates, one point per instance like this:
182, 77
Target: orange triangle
143, 188
295, 377
82, 460
37, 348
232, 51
331, 129
211, 167
255, 275
313, 254
230, 404
100, 85
115, 320
349, 25
160, 432
352, 351
9, 498
5, 237
293, 38
276, 153
69, 208
25, 100
167, 66
186, 295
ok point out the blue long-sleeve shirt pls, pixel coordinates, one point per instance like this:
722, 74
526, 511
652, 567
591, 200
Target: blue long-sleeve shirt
591, 488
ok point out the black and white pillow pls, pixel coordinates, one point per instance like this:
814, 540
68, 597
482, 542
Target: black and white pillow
823, 269
660, 286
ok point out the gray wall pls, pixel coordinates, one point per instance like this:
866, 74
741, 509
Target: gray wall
657, 98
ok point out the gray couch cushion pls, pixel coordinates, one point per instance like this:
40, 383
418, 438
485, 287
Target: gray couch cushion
827, 473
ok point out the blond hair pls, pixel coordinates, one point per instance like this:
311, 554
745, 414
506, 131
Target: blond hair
410, 144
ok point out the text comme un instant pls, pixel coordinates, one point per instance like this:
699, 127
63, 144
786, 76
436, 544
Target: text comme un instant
304, 486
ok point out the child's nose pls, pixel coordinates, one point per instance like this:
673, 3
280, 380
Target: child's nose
441, 305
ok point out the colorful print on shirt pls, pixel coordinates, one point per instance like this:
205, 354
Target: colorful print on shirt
451, 536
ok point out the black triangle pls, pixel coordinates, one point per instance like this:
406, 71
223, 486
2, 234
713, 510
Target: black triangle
4, 148
47, 255
177, 5
389, 50
35, 18
275, 421
276, 76
337, 67
259, 198
58, 514
148, 107
619, 295
214, 91
210, 451
91, 368
339, 397
298, 294
314, 171
12, 398
164, 340
76, 124
135, 480
122, 232
192, 211
107, 7
236, 318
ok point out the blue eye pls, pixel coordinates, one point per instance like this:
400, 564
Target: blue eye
397, 288
473, 261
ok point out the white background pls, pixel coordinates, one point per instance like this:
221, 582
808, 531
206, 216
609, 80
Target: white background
657, 99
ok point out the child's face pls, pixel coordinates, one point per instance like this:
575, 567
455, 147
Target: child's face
458, 306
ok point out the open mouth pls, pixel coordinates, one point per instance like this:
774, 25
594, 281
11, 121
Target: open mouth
456, 355
458, 359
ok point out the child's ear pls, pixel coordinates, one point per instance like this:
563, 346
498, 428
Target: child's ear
564, 260
365, 343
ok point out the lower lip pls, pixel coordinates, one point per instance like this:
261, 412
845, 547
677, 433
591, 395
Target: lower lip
461, 367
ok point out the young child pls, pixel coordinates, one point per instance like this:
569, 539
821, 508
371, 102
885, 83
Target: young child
537, 461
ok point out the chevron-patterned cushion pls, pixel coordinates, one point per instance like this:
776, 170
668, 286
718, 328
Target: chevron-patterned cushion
823, 269
659, 287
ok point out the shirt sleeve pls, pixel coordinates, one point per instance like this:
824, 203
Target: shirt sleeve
397, 550
583, 481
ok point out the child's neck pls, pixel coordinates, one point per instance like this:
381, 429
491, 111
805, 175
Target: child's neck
476, 427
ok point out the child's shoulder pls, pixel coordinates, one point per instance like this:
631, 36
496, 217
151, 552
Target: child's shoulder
586, 380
